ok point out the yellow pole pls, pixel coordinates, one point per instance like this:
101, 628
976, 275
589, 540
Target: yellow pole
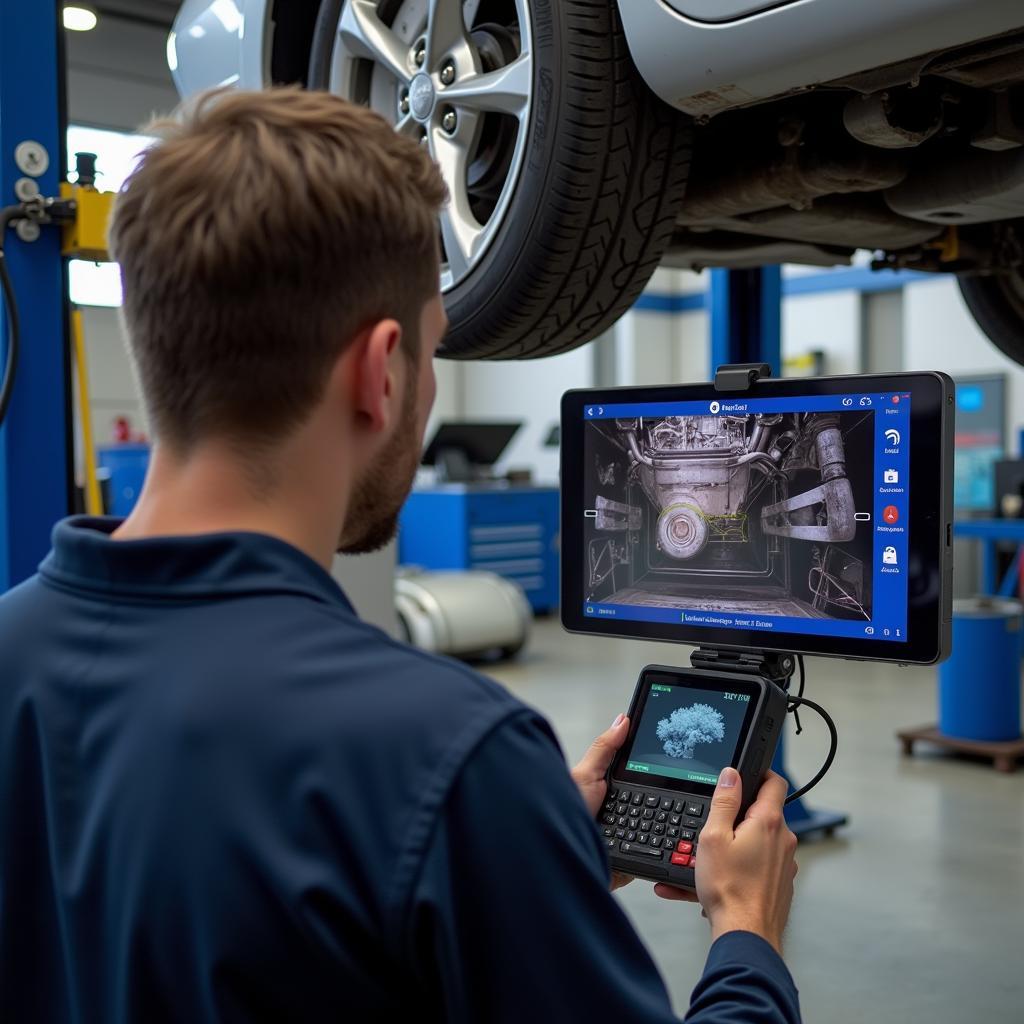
93, 497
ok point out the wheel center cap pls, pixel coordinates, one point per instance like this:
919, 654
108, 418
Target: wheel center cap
421, 97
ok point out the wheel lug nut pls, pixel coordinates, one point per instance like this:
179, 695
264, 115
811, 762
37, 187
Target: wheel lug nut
403, 103
448, 74
449, 122
420, 56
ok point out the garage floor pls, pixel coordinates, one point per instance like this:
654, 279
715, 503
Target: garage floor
913, 912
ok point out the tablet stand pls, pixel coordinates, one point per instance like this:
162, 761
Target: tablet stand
776, 667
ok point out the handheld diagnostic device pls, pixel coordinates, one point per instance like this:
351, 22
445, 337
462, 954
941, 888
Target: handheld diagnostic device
685, 727
758, 520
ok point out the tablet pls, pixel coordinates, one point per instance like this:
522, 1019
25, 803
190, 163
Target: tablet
805, 515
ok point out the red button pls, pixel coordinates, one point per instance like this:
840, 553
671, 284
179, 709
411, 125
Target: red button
684, 847
891, 514
681, 859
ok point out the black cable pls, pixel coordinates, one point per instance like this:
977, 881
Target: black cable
13, 319
794, 703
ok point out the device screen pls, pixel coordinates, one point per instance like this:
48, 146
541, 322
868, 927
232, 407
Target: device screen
769, 515
686, 734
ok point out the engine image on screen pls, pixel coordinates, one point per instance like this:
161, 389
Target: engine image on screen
732, 513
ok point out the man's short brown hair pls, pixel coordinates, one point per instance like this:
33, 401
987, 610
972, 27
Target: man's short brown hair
256, 238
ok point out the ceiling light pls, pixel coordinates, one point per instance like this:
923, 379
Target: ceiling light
79, 19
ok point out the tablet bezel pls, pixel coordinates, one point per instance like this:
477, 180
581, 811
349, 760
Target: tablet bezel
929, 614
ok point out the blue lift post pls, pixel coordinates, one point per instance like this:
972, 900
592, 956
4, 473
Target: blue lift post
746, 327
35, 446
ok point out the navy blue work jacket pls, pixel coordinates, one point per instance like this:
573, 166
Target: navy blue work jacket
224, 798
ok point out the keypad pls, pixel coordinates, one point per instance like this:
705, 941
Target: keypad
652, 827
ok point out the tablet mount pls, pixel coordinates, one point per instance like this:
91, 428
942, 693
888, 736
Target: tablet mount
778, 668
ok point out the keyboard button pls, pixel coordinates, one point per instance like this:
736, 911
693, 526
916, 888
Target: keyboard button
666, 804
658, 830
648, 813
634, 822
678, 807
612, 793
621, 821
608, 831
634, 850
623, 795
645, 826
674, 819
662, 817
609, 819
638, 798
621, 808
687, 835
695, 810
651, 801
611, 843
673, 832
631, 836
655, 842
620, 833
692, 822
684, 847
681, 860
642, 838
609, 805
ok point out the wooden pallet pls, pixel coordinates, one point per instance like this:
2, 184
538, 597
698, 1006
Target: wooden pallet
1004, 756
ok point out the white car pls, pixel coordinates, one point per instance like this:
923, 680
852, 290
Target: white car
586, 141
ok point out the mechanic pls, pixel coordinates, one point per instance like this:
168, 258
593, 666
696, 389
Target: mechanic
223, 797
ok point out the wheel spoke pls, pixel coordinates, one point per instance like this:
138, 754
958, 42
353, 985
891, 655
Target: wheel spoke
408, 125
446, 33
459, 227
363, 33
505, 90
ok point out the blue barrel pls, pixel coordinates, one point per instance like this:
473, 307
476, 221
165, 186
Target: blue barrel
127, 465
979, 686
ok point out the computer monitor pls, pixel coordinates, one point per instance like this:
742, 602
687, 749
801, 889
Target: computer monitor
463, 451
804, 515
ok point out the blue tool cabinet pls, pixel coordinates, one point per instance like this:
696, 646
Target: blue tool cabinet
512, 531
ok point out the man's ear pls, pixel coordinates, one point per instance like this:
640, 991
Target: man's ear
370, 372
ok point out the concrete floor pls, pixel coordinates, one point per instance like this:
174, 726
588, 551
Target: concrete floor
913, 912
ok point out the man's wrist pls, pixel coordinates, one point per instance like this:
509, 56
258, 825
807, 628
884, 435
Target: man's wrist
723, 922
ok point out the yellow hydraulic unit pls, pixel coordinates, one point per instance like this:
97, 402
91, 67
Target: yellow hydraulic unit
85, 237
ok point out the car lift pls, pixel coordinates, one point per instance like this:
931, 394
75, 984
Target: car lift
35, 440
46, 220
746, 331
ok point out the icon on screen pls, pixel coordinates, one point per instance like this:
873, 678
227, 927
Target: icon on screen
891, 476
891, 514
889, 556
847, 402
865, 400
869, 630
892, 437
714, 408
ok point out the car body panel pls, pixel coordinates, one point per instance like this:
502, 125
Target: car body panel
704, 68
220, 43
723, 10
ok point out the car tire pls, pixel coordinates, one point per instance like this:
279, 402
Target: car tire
996, 301
602, 178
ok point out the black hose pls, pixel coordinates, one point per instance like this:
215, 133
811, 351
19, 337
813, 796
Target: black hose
13, 320
13, 337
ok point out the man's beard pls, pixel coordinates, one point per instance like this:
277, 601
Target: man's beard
378, 497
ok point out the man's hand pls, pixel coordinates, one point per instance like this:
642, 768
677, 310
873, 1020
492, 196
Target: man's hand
745, 877
590, 775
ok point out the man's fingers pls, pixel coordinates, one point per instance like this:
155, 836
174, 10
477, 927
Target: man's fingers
725, 804
771, 797
594, 763
670, 892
